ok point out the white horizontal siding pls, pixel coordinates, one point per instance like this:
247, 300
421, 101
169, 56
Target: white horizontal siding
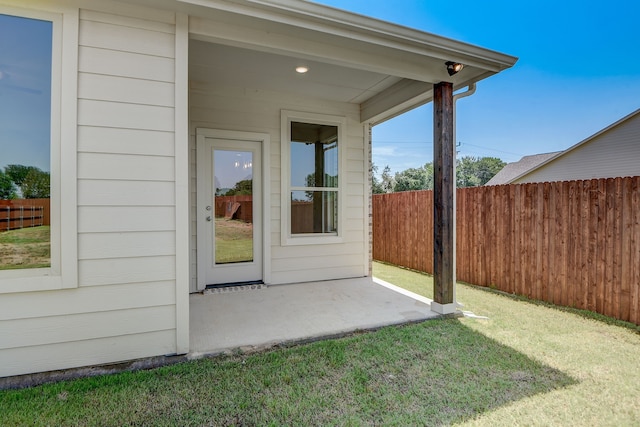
86, 300
127, 39
122, 115
124, 307
125, 193
309, 251
125, 89
249, 109
118, 219
126, 64
23, 360
86, 326
318, 274
125, 167
124, 245
125, 141
100, 272
144, 19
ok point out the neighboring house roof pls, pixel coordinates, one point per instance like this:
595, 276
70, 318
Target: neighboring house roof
522, 166
611, 152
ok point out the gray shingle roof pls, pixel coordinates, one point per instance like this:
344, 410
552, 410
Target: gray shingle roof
515, 169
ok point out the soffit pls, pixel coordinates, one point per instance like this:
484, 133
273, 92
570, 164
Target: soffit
222, 65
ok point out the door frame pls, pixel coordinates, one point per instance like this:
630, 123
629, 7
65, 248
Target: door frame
264, 139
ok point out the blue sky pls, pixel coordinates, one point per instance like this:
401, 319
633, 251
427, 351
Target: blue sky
578, 72
25, 92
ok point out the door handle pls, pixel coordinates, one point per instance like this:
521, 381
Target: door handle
209, 218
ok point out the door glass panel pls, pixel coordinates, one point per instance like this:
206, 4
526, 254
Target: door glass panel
233, 182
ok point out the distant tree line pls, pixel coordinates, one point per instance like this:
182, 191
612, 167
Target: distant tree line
242, 188
27, 182
470, 172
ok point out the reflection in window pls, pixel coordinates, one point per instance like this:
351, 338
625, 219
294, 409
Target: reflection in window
25, 147
233, 180
314, 178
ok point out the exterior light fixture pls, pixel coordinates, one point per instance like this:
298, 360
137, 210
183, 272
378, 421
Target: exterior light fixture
302, 69
453, 67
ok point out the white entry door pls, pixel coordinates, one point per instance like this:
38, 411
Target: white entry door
229, 210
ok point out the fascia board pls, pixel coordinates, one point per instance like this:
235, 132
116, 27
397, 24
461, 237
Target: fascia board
404, 96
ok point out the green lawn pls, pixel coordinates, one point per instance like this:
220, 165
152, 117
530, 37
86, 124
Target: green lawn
601, 354
527, 364
234, 241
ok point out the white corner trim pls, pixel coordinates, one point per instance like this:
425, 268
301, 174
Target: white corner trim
181, 144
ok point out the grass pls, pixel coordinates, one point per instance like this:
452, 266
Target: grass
25, 248
234, 241
527, 364
601, 354
434, 373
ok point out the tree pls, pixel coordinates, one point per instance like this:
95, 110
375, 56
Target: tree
476, 171
388, 182
36, 185
18, 173
385, 183
415, 178
376, 185
7, 187
242, 188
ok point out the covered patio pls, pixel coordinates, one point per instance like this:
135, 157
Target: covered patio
266, 316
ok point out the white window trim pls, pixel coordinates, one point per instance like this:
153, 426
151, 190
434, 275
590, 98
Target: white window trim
286, 117
63, 273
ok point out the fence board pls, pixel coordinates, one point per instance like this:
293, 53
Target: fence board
634, 315
570, 243
23, 213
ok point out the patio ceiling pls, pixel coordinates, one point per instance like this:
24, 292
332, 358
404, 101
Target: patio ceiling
385, 68
240, 67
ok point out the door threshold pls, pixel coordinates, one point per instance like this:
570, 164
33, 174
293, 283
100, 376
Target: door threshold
234, 287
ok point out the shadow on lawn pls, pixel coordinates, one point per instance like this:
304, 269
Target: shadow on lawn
433, 373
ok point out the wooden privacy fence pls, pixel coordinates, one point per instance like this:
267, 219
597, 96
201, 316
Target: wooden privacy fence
23, 213
235, 207
574, 243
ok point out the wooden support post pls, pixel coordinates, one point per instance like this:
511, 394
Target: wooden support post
444, 186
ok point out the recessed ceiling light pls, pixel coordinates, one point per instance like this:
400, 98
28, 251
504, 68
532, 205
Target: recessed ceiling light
302, 69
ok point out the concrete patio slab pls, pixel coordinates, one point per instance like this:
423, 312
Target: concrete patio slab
261, 318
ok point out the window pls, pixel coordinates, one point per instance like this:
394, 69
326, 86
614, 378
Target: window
25, 142
312, 156
37, 150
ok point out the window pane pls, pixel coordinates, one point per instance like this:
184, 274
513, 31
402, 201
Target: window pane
314, 212
314, 155
25, 134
